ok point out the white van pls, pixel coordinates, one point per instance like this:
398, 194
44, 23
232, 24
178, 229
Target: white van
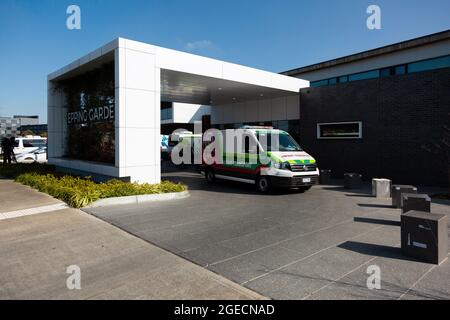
29, 144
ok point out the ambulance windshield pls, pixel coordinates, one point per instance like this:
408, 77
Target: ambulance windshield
282, 142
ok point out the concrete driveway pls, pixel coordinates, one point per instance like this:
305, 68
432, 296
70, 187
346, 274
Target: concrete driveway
313, 245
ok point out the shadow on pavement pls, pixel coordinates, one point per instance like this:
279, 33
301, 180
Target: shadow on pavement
376, 250
360, 195
362, 192
372, 205
377, 221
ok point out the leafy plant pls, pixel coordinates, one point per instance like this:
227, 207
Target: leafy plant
79, 192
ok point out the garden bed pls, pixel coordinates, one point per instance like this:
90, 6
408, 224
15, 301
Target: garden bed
80, 192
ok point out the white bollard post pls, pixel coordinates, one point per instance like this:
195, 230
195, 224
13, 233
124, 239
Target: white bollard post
381, 188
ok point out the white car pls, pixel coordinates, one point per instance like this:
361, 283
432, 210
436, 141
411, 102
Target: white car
165, 147
29, 144
39, 155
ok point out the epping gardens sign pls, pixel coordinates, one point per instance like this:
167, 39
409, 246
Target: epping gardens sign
91, 115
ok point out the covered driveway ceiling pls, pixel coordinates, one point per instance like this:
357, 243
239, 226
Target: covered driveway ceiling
191, 88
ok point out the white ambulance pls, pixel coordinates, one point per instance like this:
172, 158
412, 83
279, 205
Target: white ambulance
278, 161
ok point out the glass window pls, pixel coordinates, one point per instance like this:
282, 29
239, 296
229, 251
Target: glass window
27, 143
285, 142
386, 72
166, 114
332, 81
400, 70
431, 64
339, 130
343, 79
319, 83
364, 75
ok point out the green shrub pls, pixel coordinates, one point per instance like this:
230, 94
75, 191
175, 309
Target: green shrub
79, 192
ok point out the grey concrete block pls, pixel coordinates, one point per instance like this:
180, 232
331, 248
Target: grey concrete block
352, 180
417, 202
397, 191
325, 177
381, 188
424, 236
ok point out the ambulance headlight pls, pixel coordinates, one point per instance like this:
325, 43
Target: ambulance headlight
282, 165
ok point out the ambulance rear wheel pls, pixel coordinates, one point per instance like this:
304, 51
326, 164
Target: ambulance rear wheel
210, 176
263, 184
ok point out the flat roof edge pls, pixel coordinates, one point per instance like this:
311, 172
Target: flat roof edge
181, 61
407, 44
101, 51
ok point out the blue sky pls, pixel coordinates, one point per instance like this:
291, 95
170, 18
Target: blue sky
274, 35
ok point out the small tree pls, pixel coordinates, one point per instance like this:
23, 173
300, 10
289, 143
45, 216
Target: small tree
441, 148
27, 133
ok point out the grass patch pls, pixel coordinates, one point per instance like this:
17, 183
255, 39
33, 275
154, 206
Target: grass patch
79, 192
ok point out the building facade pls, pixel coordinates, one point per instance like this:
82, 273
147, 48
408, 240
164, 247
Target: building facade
376, 112
27, 120
20, 124
117, 133
381, 112
9, 127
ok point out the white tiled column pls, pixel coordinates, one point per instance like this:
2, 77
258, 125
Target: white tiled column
56, 114
137, 115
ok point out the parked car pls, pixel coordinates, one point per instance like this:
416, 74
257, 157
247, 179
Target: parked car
39, 155
165, 152
29, 144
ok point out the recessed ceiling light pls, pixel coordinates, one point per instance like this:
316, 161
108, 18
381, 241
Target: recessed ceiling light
219, 89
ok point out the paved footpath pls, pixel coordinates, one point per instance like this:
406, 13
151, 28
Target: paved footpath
37, 248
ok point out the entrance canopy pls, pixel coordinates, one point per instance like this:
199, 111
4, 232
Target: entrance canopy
193, 88
145, 75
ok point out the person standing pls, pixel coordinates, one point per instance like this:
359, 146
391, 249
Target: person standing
4, 146
12, 144
6, 150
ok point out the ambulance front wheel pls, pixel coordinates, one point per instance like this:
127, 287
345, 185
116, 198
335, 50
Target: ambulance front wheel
263, 184
210, 176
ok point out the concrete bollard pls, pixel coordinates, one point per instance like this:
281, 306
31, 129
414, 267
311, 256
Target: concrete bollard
397, 190
352, 180
381, 188
415, 202
424, 236
325, 177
